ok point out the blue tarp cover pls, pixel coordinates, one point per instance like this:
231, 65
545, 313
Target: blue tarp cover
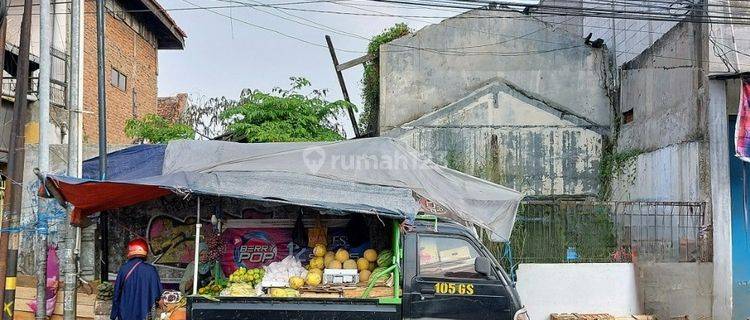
143, 160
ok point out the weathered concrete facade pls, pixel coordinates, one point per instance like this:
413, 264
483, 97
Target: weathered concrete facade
676, 290
663, 123
442, 63
512, 137
670, 112
514, 100
676, 167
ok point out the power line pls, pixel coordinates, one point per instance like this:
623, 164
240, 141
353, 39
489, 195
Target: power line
628, 15
597, 13
266, 28
310, 23
445, 51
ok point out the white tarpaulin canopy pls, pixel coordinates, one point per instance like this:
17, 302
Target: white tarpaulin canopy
382, 162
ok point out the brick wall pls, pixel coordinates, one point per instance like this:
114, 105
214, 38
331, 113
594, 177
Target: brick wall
171, 108
134, 57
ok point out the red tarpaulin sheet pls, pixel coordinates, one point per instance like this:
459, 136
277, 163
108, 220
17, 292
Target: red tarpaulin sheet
89, 197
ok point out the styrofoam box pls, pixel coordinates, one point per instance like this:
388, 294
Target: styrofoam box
340, 276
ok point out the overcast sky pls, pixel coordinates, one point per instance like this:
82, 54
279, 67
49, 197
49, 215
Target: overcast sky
224, 55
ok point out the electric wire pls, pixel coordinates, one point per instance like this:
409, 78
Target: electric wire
268, 29
310, 23
598, 13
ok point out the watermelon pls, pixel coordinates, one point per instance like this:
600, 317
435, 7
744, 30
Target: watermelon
385, 258
376, 271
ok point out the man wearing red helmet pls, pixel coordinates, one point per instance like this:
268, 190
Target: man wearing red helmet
137, 288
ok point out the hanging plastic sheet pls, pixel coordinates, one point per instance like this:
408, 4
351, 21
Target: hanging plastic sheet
742, 129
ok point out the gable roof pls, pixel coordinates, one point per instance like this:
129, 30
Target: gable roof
493, 86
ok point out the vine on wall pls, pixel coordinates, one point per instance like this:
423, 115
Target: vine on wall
368, 121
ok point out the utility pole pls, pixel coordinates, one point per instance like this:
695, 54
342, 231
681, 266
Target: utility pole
45, 67
3, 222
75, 150
102, 133
16, 160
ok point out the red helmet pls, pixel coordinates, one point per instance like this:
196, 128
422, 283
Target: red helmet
137, 248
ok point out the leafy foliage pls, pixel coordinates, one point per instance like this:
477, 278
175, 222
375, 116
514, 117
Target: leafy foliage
284, 115
371, 77
155, 129
614, 165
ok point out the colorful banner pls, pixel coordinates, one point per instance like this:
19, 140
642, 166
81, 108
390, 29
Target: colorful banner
742, 129
254, 244
172, 240
255, 247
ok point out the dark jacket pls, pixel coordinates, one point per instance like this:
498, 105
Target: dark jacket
135, 296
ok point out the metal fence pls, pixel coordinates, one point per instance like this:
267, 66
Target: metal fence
583, 231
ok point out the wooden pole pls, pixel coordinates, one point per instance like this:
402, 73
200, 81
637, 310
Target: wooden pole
340, 76
3, 220
16, 161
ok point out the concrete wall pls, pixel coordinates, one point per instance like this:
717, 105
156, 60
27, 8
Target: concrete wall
666, 290
665, 87
671, 173
579, 287
513, 138
441, 63
676, 290
662, 94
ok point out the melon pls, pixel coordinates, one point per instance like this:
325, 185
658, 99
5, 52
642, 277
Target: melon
364, 275
313, 279
362, 264
342, 255
316, 263
329, 256
371, 255
319, 250
334, 264
296, 282
350, 264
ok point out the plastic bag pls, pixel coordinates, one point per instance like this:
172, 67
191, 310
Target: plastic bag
317, 234
278, 273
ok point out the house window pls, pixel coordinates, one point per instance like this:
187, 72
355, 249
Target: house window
627, 116
118, 79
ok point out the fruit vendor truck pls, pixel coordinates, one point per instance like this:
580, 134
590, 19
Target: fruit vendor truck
424, 287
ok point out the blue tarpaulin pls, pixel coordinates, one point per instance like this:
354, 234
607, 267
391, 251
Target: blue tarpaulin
143, 160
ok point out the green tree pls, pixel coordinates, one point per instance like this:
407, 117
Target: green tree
155, 129
284, 115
